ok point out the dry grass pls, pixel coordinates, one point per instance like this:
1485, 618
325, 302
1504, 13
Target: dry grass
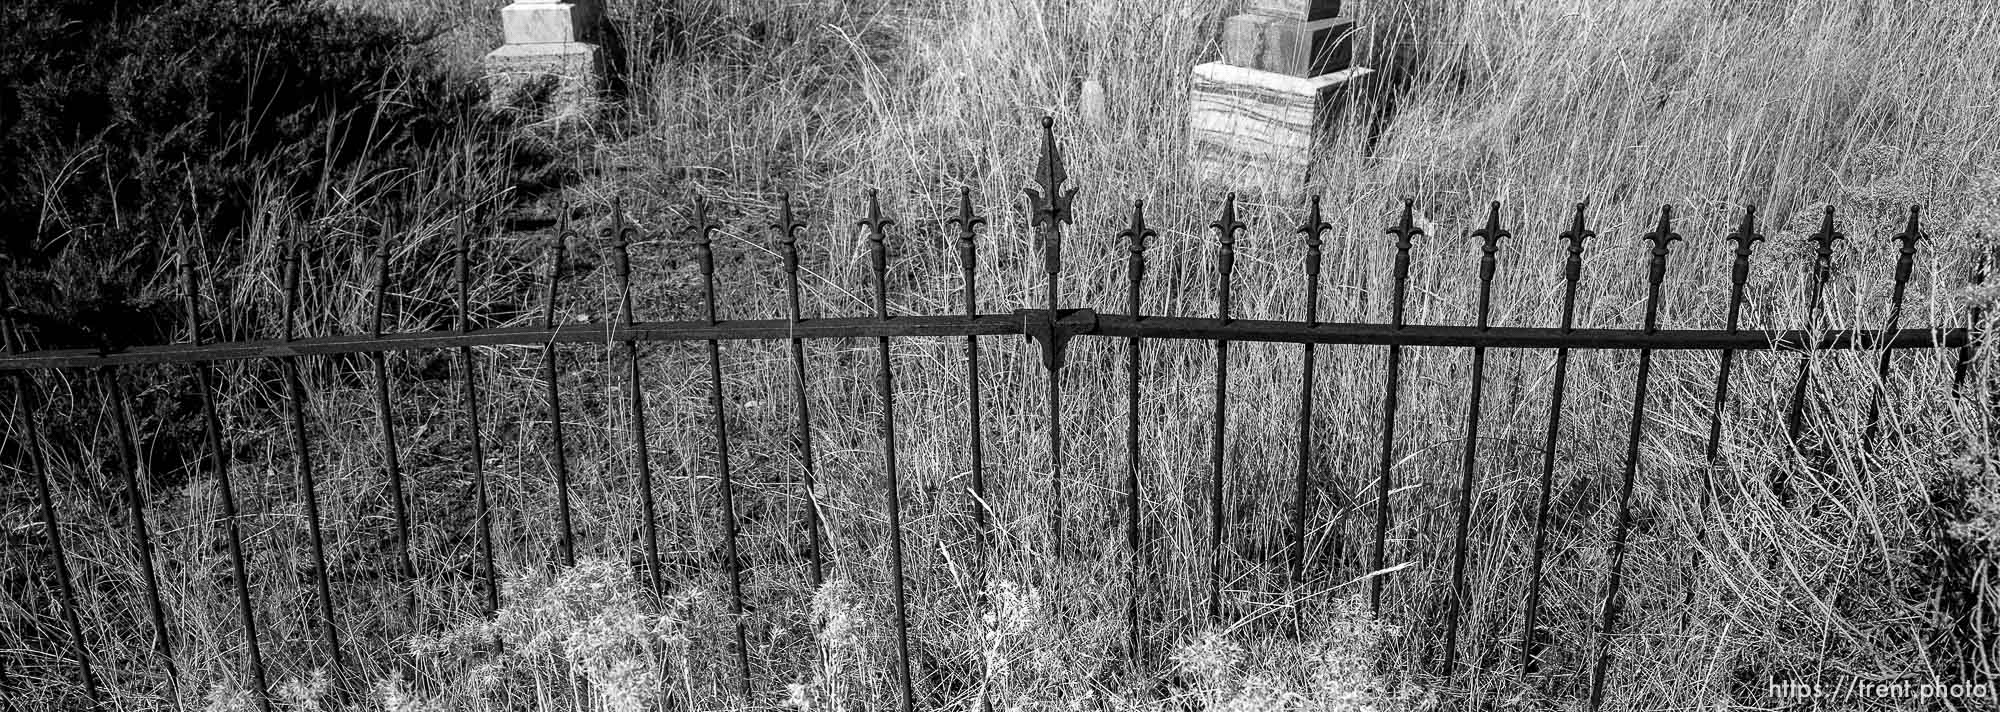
1869, 106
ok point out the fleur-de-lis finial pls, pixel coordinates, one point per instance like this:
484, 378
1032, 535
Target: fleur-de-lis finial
1746, 239
968, 226
1406, 229
787, 227
1225, 231
1824, 239
294, 264
1051, 203
1137, 233
565, 232
1746, 236
1912, 233
702, 230
382, 250
1822, 264
1575, 235
621, 234
1314, 226
878, 251
1490, 237
1663, 238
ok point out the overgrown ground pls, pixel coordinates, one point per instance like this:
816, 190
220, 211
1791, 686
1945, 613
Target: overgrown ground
1882, 567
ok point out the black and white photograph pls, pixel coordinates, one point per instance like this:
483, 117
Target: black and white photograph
999, 355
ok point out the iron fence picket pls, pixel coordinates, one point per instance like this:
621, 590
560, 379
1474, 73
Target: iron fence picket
218, 462
1405, 231
1226, 229
1314, 228
1905, 264
1821, 273
788, 229
1663, 239
1531, 638
135, 508
703, 230
392, 464
308, 477
558, 444
1490, 237
1136, 236
885, 384
482, 489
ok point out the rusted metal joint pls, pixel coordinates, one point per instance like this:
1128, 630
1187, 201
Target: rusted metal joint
1053, 335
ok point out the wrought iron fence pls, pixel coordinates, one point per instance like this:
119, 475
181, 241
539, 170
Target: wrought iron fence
1051, 328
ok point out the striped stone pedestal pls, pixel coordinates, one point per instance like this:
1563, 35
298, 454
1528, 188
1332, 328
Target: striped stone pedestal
1256, 115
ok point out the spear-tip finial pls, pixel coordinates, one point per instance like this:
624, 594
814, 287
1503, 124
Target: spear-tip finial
1052, 202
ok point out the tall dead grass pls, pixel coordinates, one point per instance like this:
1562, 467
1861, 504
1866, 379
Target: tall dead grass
1867, 106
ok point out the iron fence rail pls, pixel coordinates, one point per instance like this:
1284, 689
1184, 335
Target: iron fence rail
1026, 322
1051, 328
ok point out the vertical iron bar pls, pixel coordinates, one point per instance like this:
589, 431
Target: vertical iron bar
1135, 264
1976, 332
968, 260
482, 490
788, 239
1051, 211
1314, 227
621, 234
135, 506
302, 450
1663, 239
31, 444
1905, 264
219, 466
1822, 272
565, 533
703, 233
878, 256
392, 465
1490, 237
1405, 231
1746, 238
1531, 643
1226, 230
